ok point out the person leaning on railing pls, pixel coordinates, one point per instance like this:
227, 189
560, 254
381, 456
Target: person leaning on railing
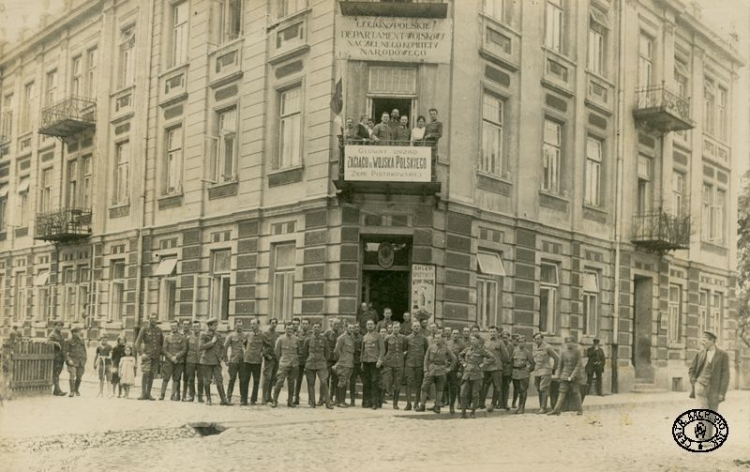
383, 133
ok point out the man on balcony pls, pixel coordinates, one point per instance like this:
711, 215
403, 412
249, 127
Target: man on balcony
403, 133
434, 129
383, 133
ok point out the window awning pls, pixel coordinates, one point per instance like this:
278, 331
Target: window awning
41, 278
490, 264
166, 267
590, 282
23, 185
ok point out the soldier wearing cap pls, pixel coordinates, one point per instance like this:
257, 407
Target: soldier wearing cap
174, 350
192, 359
332, 335
473, 359
287, 352
303, 332
438, 361
523, 365
344, 352
75, 356
256, 343
233, 345
316, 354
416, 348
570, 373
149, 345
356, 370
595, 366
373, 351
212, 353
393, 363
270, 363
507, 370
456, 344
493, 373
57, 340
542, 353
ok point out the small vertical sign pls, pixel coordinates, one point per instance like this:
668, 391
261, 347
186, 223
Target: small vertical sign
423, 288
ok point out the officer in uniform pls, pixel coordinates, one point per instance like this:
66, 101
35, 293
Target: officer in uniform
174, 349
192, 358
57, 340
542, 353
473, 359
507, 370
75, 357
233, 344
356, 370
149, 345
212, 353
185, 330
406, 324
493, 373
393, 364
256, 342
270, 364
332, 335
344, 352
456, 344
303, 332
438, 361
523, 365
386, 322
287, 352
416, 348
373, 351
315, 353
570, 372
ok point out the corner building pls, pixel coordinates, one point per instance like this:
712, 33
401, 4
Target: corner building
184, 158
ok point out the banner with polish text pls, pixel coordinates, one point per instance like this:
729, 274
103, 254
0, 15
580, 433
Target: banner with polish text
388, 163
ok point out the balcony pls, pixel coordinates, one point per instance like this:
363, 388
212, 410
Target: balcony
660, 231
68, 117
662, 110
397, 168
63, 226
416, 9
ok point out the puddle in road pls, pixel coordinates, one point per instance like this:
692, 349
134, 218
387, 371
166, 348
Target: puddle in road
207, 429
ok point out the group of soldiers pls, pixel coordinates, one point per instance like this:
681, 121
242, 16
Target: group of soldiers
451, 366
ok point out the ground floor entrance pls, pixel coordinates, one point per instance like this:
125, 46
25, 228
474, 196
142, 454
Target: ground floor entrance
386, 274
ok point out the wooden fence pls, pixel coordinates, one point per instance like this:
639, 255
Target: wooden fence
26, 368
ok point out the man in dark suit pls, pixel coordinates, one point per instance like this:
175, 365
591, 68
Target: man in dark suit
709, 373
595, 366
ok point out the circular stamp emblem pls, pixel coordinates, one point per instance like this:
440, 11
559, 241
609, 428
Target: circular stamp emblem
386, 255
700, 430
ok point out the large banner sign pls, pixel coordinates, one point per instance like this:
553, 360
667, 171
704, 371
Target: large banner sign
388, 163
393, 39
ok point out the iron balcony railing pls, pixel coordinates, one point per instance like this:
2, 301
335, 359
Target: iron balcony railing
661, 231
68, 116
63, 224
658, 99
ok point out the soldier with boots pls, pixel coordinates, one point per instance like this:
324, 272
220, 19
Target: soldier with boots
149, 345
56, 339
287, 352
270, 363
393, 363
192, 372
416, 348
356, 371
456, 344
332, 335
344, 352
255, 344
570, 372
212, 353
75, 356
507, 370
174, 349
303, 332
373, 351
473, 359
493, 374
523, 365
542, 353
438, 361
233, 346
316, 355
182, 379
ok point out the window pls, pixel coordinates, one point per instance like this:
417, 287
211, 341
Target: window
290, 7
645, 61
717, 308
722, 114
45, 203
72, 197
3, 209
23, 204
173, 163
76, 83
682, 77
283, 280
228, 16
703, 310
225, 156
290, 127
168, 288
675, 313
86, 190
489, 284
28, 96
678, 193
492, 135
553, 32
548, 298
69, 294
590, 302
117, 290
714, 215
122, 171
709, 106
82, 299
50, 94
220, 283
597, 41
593, 190
551, 157
290, 36
645, 185
91, 79
392, 80
718, 222
7, 119
42, 304
495, 9
20, 297
179, 38
126, 73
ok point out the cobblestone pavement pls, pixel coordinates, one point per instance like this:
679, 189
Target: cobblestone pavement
109, 434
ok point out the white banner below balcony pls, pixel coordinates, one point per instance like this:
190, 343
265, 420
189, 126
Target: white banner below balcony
387, 163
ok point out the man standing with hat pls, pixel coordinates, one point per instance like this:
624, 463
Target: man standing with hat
315, 354
523, 365
56, 339
595, 366
709, 373
234, 345
75, 357
270, 362
569, 373
175, 348
152, 340
287, 352
192, 372
212, 353
543, 352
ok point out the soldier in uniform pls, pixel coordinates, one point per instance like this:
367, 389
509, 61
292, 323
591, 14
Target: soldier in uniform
356, 370
416, 348
523, 365
233, 345
315, 353
270, 363
303, 332
344, 352
56, 339
75, 356
212, 353
493, 373
256, 342
438, 361
287, 352
192, 358
332, 335
393, 363
456, 344
507, 370
149, 345
406, 324
386, 322
174, 350
570, 373
185, 330
542, 353
373, 351
473, 359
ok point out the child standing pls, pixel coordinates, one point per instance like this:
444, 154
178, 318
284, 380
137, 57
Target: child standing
103, 363
117, 354
127, 370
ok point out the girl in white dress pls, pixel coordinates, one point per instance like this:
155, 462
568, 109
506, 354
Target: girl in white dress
127, 370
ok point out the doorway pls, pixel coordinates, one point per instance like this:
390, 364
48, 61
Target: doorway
381, 105
386, 289
642, 329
